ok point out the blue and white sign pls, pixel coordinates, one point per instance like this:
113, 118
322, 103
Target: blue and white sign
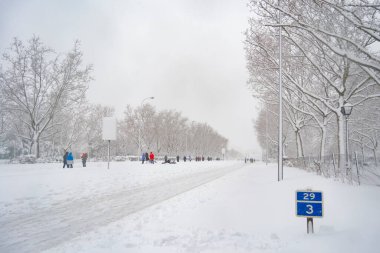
309, 203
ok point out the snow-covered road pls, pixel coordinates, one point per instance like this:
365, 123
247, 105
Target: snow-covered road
186, 207
44, 228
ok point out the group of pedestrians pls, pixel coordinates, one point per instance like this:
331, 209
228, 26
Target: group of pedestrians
68, 159
197, 158
251, 160
145, 157
149, 157
202, 158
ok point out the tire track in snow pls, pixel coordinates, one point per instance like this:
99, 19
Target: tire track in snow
48, 228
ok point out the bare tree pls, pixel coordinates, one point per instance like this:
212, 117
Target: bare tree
36, 84
168, 132
333, 40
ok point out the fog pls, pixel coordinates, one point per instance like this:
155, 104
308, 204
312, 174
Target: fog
188, 54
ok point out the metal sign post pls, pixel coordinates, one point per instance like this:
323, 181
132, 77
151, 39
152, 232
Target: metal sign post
309, 204
109, 149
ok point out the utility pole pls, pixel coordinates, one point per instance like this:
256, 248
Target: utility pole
280, 154
266, 133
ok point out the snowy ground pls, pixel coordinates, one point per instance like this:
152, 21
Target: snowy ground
186, 207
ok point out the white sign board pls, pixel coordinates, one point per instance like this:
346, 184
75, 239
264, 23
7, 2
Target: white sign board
109, 128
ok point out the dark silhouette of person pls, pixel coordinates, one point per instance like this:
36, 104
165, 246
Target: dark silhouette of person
65, 159
84, 157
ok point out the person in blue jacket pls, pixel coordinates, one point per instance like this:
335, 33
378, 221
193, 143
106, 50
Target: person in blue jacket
143, 158
70, 160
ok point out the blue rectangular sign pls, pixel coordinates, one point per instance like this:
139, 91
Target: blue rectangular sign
309, 209
309, 196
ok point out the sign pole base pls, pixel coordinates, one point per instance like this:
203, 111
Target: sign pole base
310, 225
109, 144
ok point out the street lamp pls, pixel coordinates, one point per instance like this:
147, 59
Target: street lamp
266, 133
346, 110
141, 104
280, 172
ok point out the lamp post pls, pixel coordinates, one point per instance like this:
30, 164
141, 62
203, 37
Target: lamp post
346, 110
280, 175
266, 133
141, 104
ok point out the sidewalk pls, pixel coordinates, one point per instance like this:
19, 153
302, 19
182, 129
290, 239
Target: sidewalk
245, 211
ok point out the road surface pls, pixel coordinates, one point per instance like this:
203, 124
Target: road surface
48, 228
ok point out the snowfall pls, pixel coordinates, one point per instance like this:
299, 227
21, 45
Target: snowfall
219, 206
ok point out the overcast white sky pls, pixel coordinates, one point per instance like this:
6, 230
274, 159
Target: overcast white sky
187, 53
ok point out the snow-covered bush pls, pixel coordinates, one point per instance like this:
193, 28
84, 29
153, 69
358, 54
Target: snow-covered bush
27, 159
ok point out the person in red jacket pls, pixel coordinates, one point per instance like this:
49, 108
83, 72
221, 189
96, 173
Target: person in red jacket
151, 157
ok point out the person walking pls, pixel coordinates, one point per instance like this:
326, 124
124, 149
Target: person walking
146, 157
84, 159
165, 159
143, 158
65, 160
70, 160
151, 157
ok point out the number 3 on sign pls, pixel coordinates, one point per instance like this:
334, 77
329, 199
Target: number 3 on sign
309, 209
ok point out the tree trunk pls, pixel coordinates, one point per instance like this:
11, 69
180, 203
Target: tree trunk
374, 156
323, 143
323, 138
31, 147
362, 149
341, 141
36, 145
299, 144
38, 149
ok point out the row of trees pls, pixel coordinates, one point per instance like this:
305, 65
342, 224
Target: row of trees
167, 132
331, 56
44, 111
